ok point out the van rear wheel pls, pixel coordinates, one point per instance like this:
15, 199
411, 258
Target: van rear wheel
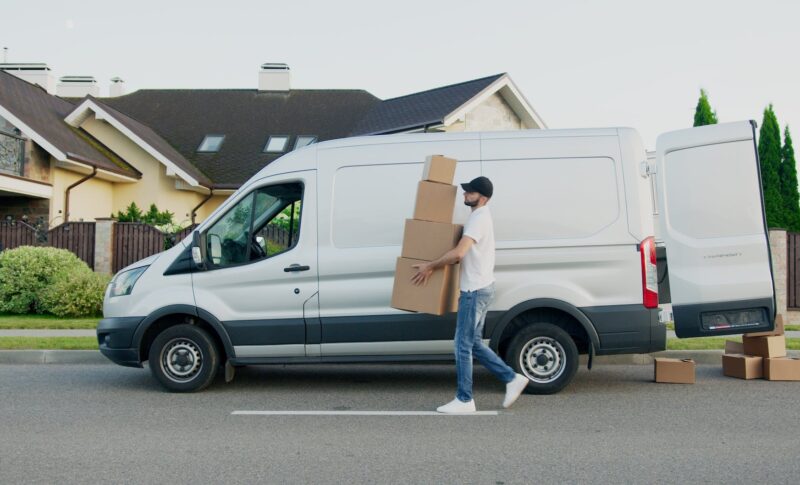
546, 355
183, 358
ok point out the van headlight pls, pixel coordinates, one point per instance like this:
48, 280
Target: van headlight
122, 284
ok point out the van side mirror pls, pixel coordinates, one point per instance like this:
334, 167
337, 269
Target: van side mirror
197, 254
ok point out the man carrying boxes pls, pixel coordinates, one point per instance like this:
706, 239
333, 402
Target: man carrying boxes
475, 251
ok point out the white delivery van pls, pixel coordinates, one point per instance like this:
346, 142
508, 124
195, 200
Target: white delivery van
297, 266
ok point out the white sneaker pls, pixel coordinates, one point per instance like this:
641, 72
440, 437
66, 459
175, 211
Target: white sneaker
457, 407
514, 389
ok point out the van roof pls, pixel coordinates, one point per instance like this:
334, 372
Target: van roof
304, 158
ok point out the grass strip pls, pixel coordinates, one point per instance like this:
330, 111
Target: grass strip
715, 343
48, 343
36, 322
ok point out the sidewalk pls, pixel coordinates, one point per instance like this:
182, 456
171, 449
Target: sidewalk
788, 334
47, 333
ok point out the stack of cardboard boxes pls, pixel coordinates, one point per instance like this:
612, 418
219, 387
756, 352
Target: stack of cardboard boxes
427, 236
761, 355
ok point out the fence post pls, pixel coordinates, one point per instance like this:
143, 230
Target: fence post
778, 247
103, 245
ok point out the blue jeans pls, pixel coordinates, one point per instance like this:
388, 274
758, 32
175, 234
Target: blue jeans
472, 309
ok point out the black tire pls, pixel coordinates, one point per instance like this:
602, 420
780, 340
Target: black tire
183, 358
546, 355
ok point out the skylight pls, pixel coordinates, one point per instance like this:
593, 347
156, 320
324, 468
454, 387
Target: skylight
304, 140
211, 143
276, 144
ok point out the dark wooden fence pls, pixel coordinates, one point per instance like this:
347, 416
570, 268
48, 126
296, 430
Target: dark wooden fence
792, 266
133, 241
77, 237
15, 234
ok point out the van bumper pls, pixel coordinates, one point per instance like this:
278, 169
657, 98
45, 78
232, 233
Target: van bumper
115, 340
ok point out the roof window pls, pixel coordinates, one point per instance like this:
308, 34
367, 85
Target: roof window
276, 144
211, 143
304, 140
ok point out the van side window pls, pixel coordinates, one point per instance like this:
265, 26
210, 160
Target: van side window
263, 224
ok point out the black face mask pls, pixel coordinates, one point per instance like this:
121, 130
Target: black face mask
471, 204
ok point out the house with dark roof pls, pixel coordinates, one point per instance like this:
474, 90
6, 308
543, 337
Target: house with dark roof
68, 154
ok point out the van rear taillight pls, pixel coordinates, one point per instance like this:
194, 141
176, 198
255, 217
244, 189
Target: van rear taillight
647, 251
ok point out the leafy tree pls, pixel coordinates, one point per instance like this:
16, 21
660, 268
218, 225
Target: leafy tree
788, 178
703, 115
769, 153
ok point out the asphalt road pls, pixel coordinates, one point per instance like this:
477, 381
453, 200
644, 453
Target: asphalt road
93, 423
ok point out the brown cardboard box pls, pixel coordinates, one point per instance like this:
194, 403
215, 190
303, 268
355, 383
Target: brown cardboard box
429, 240
734, 347
439, 169
767, 347
674, 371
437, 297
782, 369
743, 366
435, 202
777, 331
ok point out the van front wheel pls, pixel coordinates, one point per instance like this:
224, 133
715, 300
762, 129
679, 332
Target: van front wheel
546, 355
183, 358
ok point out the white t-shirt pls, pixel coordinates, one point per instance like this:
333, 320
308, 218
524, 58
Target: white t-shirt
477, 267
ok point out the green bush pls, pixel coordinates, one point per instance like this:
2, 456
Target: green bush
26, 271
76, 295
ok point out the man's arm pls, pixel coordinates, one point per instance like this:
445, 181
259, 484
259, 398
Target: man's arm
455, 255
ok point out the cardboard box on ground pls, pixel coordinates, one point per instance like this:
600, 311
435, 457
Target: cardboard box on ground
761, 355
782, 369
426, 237
674, 371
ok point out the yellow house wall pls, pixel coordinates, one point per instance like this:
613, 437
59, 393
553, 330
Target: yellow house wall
87, 201
155, 187
209, 207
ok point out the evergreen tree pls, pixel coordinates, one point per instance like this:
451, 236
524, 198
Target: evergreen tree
769, 153
703, 115
788, 177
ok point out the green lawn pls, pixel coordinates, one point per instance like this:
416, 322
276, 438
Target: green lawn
50, 343
788, 328
710, 343
30, 322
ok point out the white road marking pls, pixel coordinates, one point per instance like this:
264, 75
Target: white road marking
359, 413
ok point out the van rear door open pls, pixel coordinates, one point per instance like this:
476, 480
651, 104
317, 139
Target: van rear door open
714, 229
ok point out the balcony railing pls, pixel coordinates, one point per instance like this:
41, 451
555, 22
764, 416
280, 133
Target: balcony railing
12, 154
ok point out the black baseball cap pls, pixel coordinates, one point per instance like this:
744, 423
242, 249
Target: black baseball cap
481, 185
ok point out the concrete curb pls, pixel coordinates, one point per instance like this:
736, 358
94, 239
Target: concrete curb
52, 357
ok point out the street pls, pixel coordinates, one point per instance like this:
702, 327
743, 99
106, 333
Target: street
93, 423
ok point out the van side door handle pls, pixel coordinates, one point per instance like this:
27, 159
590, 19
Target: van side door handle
296, 267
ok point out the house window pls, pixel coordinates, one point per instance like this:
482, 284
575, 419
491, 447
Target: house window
304, 140
276, 144
12, 154
211, 143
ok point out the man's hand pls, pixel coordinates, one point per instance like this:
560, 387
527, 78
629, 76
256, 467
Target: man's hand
424, 271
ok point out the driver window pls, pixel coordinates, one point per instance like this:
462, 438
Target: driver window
261, 225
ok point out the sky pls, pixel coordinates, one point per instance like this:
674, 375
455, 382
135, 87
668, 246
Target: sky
579, 63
